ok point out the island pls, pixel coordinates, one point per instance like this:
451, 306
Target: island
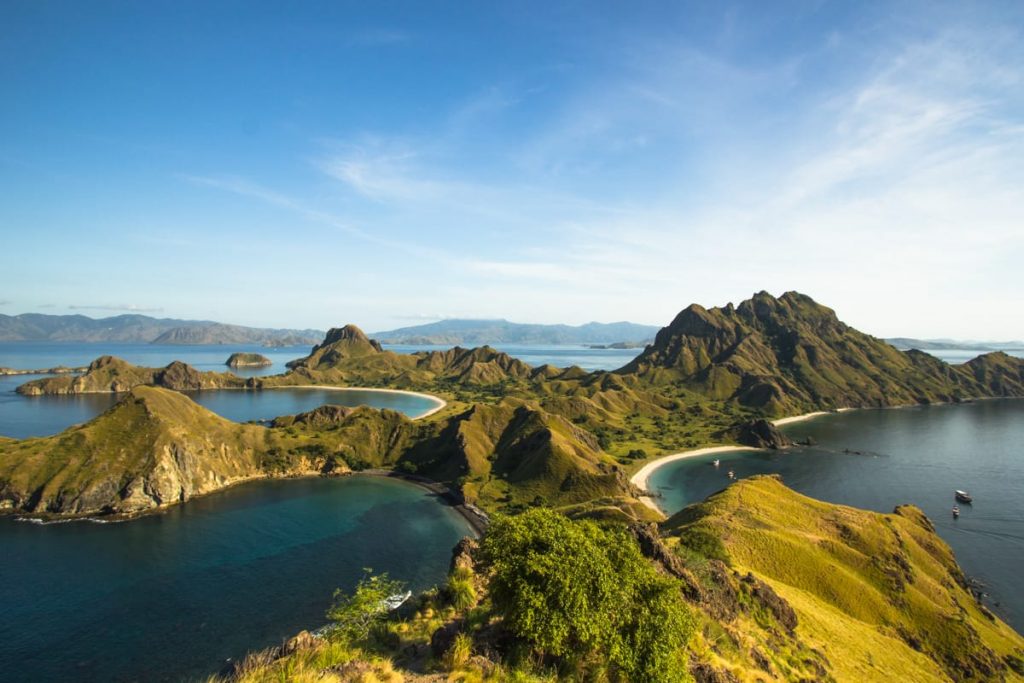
550, 453
59, 370
248, 360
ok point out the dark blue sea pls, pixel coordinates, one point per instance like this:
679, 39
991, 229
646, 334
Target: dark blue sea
172, 596
878, 459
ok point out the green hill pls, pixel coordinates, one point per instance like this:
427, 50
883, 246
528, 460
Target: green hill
879, 597
108, 374
790, 354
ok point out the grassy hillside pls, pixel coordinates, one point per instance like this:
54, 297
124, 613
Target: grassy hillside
108, 374
880, 596
758, 583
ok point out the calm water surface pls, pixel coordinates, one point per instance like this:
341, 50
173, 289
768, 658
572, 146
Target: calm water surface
909, 455
42, 355
22, 417
25, 416
172, 596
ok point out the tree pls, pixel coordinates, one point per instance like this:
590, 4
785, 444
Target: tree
574, 591
355, 615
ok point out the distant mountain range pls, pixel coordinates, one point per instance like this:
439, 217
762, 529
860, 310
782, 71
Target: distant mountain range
476, 332
132, 328
906, 343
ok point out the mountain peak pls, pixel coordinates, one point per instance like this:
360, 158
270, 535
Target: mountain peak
349, 332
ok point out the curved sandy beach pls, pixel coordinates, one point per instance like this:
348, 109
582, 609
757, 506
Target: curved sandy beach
439, 403
642, 475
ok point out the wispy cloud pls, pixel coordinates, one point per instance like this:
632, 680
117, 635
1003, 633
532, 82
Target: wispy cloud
266, 195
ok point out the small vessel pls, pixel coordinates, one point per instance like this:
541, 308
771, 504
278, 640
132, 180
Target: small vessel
732, 475
395, 601
716, 462
956, 511
963, 496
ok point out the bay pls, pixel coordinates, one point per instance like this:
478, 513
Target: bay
877, 459
172, 596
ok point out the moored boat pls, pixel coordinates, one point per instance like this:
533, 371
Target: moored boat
956, 511
963, 496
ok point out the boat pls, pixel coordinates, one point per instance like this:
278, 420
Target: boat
956, 511
963, 496
716, 462
395, 601
732, 475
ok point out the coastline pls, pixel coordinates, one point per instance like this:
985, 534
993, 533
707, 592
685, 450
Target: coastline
644, 473
439, 403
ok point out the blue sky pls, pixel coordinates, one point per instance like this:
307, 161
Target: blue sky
311, 164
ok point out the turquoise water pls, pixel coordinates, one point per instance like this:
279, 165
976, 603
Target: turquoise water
909, 455
172, 596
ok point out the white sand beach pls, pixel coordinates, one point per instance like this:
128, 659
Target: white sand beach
440, 403
644, 473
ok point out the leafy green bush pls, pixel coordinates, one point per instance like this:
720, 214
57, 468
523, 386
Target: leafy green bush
575, 592
354, 616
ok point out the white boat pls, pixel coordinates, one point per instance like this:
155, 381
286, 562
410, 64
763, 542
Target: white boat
963, 496
395, 601
956, 511
716, 462
732, 475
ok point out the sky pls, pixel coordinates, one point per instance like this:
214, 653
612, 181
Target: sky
388, 164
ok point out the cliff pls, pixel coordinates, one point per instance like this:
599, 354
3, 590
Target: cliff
152, 449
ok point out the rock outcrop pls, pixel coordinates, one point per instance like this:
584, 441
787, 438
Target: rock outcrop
760, 434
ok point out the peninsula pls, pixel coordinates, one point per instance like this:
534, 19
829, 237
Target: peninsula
521, 441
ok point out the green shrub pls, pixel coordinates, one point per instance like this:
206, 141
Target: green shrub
354, 616
579, 594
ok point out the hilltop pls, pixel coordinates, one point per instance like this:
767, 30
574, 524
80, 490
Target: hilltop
790, 354
144, 329
476, 332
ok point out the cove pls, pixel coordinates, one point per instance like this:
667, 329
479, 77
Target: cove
171, 596
877, 459
26, 416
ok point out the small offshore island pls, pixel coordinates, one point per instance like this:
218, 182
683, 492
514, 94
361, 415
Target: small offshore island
248, 360
756, 581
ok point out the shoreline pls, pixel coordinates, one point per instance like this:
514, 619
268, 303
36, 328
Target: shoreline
439, 403
475, 517
644, 473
